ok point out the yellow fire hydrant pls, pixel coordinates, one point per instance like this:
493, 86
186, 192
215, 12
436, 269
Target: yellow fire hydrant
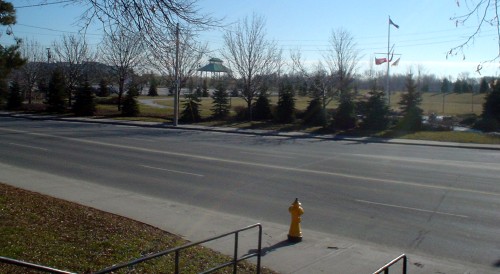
296, 210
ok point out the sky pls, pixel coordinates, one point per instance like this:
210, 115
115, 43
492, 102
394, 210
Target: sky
425, 32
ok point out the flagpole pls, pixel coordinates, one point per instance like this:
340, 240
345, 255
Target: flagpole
387, 91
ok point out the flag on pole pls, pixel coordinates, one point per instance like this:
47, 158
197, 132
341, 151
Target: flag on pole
379, 61
392, 23
396, 62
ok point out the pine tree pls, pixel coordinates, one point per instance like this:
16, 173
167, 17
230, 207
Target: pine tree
314, 114
285, 110
14, 98
84, 104
10, 57
376, 111
220, 103
56, 93
261, 110
483, 86
153, 88
410, 107
130, 106
490, 118
4, 91
191, 112
345, 116
103, 90
205, 89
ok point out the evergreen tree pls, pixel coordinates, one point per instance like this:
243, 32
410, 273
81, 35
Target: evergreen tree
14, 98
314, 114
490, 118
220, 103
285, 110
153, 88
261, 110
84, 104
345, 116
4, 90
410, 106
483, 86
56, 93
191, 112
198, 92
445, 85
376, 111
130, 106
103, 90
303, 89
10, 57
205, 89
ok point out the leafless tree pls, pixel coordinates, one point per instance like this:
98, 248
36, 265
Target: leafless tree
123, 51
73, 54
150, 18
191, 53
31, 72
342, 59
251, 55
332, 77
486, 13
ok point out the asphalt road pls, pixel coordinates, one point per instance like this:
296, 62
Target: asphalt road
442, 202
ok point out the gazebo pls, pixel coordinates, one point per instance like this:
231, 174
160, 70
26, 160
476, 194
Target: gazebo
215, 67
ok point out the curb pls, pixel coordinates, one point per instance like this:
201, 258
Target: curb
297, 135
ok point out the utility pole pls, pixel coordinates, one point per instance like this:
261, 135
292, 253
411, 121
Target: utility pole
177, 84
387, 90
48, 55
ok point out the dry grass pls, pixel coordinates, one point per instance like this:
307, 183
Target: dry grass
56, 233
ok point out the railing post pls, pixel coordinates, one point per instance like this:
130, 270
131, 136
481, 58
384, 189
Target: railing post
177, 262
259, 249
235, 258
405, 262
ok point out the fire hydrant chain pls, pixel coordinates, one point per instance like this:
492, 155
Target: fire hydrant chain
296, 210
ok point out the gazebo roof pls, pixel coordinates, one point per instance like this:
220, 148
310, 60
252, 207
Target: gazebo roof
215, 65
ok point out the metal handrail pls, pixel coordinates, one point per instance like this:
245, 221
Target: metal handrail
386, 267
177, 250
33, 266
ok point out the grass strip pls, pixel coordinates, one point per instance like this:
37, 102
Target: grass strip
43, 230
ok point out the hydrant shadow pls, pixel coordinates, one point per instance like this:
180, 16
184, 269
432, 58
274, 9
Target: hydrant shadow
274, 247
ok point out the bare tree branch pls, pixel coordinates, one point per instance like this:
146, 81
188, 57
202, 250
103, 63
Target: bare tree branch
486, 12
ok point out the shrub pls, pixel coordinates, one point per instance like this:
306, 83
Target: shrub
56, 93
14, 98
261, 110
130, 106
191, 112
345, 116
84, 101
220, 103
375, 112
285, 110
314, 114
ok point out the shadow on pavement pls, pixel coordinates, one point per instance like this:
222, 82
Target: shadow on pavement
272, 248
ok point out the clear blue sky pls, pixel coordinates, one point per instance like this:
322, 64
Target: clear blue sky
425, 35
